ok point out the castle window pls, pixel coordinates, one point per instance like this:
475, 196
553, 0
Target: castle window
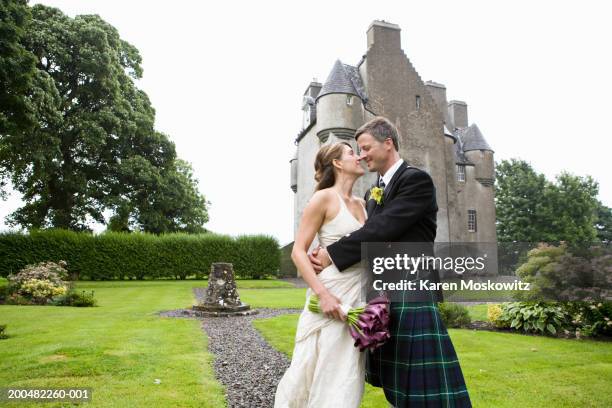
461, 172
472, 220
349, 100
418, 102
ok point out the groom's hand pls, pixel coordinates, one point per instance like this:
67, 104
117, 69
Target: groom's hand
319, 258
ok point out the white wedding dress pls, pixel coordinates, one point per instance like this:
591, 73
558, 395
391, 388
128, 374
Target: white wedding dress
327, 370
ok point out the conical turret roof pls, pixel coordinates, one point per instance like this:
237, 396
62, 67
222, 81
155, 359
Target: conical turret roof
473, 139
344, 79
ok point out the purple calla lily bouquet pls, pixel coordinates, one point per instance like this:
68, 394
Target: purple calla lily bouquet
368, 325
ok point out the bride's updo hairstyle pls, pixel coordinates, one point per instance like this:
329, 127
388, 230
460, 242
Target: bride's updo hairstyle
324, 167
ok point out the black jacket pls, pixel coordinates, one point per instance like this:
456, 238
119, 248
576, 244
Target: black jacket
407, 214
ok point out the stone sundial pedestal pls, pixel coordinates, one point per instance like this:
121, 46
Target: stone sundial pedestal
221, 296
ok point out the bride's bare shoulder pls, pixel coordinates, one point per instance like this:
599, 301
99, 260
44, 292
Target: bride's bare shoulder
321, 197
323, 194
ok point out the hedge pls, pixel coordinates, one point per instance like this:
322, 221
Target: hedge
116, 255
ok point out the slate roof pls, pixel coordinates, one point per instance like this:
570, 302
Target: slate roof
344, 79
469, 138
473, 139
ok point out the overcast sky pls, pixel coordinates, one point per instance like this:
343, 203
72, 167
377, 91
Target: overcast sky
227, 78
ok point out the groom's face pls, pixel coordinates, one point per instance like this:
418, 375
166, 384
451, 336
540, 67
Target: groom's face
374, 153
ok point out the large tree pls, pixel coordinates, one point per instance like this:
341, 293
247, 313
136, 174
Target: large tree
160, 201
530, 208
16, 67
16, 73
603, 223
519, 204
572, 206
93, 127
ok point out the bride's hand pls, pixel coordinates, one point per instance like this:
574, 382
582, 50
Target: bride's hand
330, 306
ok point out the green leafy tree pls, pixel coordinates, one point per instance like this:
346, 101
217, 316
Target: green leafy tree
94, 131
603, 222
162, 201
16, 68
17, 71
572, 207
519, 203
530, 208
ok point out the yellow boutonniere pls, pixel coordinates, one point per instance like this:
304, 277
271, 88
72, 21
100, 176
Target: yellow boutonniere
376, 194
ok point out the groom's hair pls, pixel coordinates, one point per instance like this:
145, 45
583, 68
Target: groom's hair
380, 128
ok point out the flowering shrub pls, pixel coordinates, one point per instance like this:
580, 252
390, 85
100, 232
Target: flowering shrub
50, 271
38, 283
494, 314
591, 319
40, 290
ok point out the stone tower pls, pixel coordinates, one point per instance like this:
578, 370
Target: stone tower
434, 134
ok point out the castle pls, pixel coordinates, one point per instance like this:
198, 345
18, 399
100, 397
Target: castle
434, 134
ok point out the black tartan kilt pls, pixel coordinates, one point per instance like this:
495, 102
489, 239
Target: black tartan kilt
418, 366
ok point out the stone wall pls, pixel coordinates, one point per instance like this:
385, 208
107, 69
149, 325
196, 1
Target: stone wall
393, 88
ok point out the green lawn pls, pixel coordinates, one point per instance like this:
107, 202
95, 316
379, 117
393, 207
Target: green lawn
506, 370
274, 298
118, 349
478, 312
122, 346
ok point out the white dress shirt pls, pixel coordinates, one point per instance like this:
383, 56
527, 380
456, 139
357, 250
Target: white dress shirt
386, 178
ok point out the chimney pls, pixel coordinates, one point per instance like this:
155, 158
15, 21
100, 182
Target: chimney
381, 33
313, 89
457, 113
438, 93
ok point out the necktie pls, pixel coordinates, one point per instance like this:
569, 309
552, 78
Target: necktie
381, 183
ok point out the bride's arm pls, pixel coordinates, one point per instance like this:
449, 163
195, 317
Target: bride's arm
312, 219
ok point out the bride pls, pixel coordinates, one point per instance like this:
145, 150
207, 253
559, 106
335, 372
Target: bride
326, 369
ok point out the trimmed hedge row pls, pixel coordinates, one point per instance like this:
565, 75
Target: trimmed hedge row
116, 255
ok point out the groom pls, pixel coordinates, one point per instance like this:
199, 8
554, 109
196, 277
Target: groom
418, 366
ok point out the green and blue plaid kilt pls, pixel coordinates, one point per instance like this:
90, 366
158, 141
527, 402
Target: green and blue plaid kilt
418, 366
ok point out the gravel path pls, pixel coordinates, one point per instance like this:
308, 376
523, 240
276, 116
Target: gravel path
245, 363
